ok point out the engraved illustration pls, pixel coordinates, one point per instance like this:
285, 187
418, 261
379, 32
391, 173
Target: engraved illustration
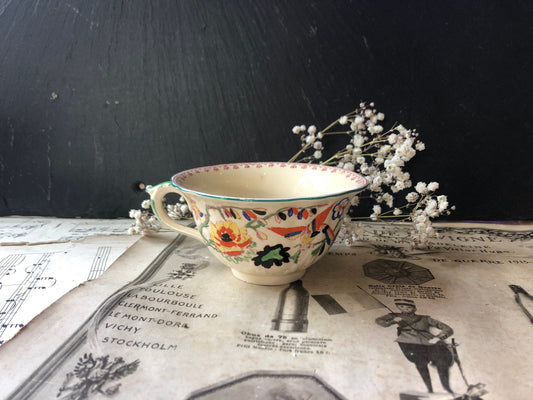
186, 271
398, 272
269, 385
339, 303
329, 304
390, 251
93, 376
520, 293
422, 347
291, 311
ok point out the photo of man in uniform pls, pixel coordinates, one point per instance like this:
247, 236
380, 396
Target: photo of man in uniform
418, 344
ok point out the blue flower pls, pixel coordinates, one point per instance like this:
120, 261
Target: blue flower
340, 208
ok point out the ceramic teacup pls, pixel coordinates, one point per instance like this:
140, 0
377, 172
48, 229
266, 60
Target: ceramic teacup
267, 221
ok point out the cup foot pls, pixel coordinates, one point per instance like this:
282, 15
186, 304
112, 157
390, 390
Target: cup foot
267, 279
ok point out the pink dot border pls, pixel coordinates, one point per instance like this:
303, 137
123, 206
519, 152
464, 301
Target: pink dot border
180, 178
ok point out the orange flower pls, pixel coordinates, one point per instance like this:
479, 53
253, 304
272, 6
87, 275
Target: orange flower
229, 238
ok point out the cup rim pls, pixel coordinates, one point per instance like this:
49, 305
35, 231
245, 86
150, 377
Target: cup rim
179, 178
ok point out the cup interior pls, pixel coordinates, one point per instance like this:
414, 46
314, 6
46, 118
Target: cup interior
269, 181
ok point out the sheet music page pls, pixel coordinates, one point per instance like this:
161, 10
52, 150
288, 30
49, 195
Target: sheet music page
33, 276
373, 321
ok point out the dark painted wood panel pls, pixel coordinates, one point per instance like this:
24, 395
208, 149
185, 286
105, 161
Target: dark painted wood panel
95, 95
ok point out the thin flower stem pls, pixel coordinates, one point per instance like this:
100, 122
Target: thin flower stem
399, 208
404, 217
337, 133
373, 142
302, 150
332, 158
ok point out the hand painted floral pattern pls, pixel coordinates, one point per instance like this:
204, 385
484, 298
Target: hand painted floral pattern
238, 234
269, 256
340, 208
229, 238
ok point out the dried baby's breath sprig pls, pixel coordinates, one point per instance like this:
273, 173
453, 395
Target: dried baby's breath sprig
146, 222
380, 156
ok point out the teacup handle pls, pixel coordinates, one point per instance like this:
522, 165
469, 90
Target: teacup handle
157, 194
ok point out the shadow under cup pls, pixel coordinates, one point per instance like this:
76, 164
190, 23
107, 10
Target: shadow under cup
267, 221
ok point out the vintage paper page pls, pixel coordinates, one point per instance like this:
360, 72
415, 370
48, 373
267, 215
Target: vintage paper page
34, 230
33, 276
374, 321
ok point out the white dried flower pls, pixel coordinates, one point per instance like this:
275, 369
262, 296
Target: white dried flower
420, 146
433, 186
358, 140
432, 208
399, 185
317, 154
384, 150
135, 214
349, 166
412, 197
145, 223
296, 129
375, 129
421, 188
388, 199
343, 120
443, 203
401, 129
311, 130
318, 145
